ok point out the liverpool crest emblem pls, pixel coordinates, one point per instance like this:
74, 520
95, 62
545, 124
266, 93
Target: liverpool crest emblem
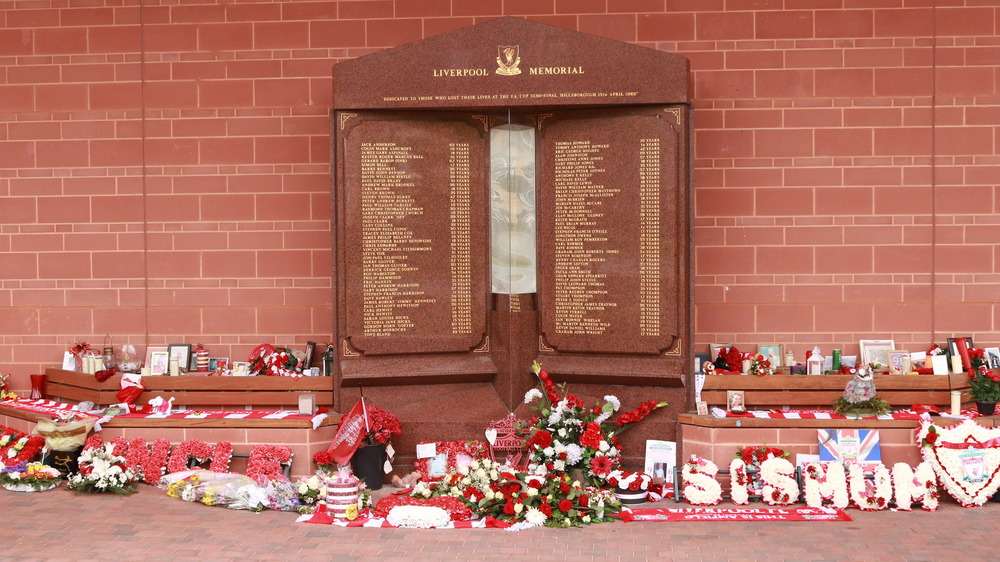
507, 60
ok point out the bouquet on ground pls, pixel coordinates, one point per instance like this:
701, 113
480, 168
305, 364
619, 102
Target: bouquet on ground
101, 470
231, 490
524, 498
29, 477
566, 434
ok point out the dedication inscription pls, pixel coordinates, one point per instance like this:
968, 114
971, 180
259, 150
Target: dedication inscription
413, 208
608, 182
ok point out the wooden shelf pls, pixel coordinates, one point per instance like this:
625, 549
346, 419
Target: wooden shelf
820, 391
257, 392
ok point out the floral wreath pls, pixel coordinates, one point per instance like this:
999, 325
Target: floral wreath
700, 485
475, 449
266, 462
221, 454
941, 447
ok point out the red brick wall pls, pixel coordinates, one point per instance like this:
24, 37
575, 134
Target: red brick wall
164, 169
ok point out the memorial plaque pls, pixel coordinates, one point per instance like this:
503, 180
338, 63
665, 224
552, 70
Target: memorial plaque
414, 215
608, 228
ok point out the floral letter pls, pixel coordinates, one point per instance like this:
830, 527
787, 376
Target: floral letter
700, 485
826, 481
915, 485
779, 486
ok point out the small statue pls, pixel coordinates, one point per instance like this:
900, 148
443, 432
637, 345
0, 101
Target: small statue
862, 387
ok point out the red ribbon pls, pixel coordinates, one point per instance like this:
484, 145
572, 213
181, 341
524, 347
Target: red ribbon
972, 443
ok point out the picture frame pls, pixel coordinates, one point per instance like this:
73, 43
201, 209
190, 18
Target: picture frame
213, 363
310, 353
876, 351
182, 353
993, 357
699, 360
154, 349
714, 349
899, 362
773, 352
241, 368
702, 407
159, 363
736, 401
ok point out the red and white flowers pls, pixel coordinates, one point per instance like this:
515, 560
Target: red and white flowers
566, 434
101, 470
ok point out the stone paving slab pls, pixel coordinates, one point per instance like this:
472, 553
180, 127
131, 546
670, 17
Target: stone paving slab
60, 525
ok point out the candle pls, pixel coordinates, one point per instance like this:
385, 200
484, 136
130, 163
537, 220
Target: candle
746, 366
956, 363
174, 367
956, 402
144, 372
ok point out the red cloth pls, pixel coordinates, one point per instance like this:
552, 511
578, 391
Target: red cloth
353, 427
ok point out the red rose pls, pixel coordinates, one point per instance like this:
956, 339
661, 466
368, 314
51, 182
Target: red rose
536, 484
541, 438
564, 488
508, 508
931, 437
565, 505
584, 501
546, 509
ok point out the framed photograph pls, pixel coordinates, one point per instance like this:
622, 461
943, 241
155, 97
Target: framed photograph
876, 351
771, 352
735, 401
702, 408
899, 362
149, 355
216, 363
159, 362
307, 362
182, 353
993, 357
714, 349
241, 369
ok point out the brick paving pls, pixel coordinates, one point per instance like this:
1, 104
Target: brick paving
60, 525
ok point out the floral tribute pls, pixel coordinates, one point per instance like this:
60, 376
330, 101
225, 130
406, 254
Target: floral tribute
778, 476
272, 361
984, 384
200, 451
630, 487
740, 480
29, 477
101, 470
730, 359
915, 485
700, 485
523, 498
825, 481
382, 426
760, 366
871, 495
965, 457
457, 453
266, 462
5, 393
566, 434
231, 490
17, 448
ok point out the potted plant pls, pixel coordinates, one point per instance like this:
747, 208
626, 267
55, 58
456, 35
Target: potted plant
984, 383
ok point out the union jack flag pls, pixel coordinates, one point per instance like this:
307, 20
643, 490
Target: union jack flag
851, 446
